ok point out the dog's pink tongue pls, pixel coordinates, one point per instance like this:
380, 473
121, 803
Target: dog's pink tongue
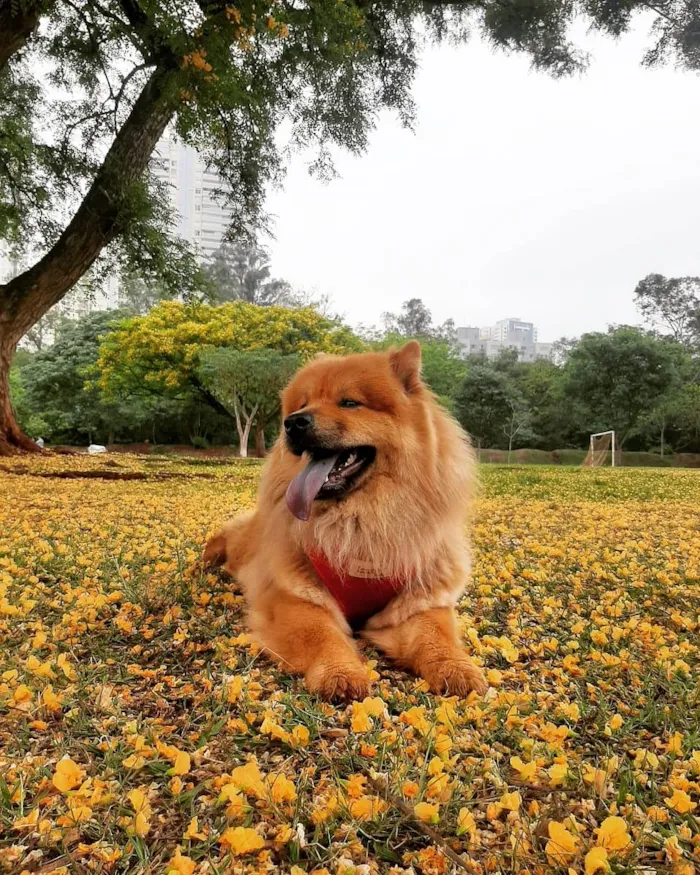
306, 486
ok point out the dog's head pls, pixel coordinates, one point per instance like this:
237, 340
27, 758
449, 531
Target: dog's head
353, 419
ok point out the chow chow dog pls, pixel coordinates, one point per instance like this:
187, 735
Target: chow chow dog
359, 527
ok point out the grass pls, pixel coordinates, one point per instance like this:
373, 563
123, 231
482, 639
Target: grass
141, 731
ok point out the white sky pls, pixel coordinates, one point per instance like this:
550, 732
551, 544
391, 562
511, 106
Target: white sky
518, 195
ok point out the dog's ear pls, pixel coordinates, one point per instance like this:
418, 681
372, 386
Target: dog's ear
405, 363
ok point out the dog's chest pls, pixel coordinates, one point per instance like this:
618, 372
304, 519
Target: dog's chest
360, 594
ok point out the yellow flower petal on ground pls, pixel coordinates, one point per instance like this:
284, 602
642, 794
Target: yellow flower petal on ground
527, 771
557, 773
511, 801
180, 864
249, 779
68, 776
596, 860
360, 720
612, 834
427, 812
681, 802
466, 823
374, 706
50, 700
138, 800
181, 764
300, 736
193, 831
64, 664
367, 807
281, 789
240, 840
675, 744
562, 845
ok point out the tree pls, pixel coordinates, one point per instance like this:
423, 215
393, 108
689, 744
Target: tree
57, 384
519, 424
138, 295
415, 321
241, 272
618, 377
42, 333
248, 384
550, 408
159, 354
484, 404
106, 79
672, 303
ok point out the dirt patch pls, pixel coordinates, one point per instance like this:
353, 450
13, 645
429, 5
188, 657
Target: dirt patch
101, 475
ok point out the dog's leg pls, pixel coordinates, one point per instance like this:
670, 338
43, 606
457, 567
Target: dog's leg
306, 639
428, 644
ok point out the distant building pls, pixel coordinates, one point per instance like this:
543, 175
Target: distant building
195, 195
505, 334
200, 219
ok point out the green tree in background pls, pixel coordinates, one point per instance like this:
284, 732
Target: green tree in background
159, 354
616, 377
484, 404
248, 385
241, 272
56, 384
672, 304
87, 89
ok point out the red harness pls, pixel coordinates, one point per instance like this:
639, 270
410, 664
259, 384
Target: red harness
359, 595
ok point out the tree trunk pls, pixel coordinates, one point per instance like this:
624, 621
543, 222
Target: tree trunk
510, 438
100, 217
663, 432
243, 441
260, 448
18, 21
12, 438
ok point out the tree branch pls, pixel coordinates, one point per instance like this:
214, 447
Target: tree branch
18, 22
100, 216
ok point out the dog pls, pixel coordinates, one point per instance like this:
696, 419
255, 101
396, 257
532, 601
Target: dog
359, 527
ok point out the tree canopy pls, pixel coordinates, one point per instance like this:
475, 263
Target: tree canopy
241, 271
160, 353
616, 376
247, 384
671, 303
87, 89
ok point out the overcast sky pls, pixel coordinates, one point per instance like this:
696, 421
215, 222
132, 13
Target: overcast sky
517, 195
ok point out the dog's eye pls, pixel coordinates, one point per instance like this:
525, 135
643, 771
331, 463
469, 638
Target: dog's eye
348, 402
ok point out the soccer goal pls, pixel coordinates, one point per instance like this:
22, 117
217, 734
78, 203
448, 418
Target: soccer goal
601, 444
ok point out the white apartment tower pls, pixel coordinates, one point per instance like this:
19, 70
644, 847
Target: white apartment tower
202, 219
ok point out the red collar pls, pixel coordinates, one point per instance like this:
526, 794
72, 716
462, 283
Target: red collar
359, 595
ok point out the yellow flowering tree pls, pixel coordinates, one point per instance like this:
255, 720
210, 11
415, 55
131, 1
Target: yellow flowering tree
160, 353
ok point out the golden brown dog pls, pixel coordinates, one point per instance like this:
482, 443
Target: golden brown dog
359, 525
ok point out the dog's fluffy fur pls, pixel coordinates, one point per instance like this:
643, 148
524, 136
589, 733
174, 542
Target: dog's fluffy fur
404, 514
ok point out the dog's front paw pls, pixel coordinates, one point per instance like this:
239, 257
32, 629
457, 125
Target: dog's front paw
343, 680
456, 676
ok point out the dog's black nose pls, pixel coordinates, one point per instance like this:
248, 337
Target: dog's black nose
297, 424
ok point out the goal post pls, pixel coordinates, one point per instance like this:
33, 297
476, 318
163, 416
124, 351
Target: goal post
601, 443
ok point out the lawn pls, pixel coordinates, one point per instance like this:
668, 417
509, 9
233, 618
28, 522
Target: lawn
141, 731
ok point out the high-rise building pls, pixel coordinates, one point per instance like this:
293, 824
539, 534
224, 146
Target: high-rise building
195, 192
505, 334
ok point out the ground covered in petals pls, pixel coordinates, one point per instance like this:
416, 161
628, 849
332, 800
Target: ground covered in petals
141, 731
